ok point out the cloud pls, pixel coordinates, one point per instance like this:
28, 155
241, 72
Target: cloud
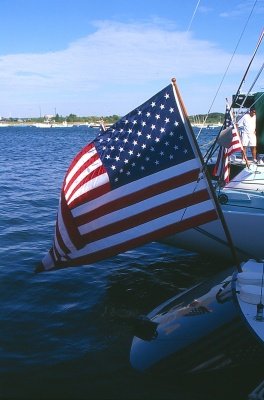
243, 8
115, 61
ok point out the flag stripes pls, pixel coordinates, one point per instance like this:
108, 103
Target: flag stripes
137, 182
107, 248
118, 218
131, 198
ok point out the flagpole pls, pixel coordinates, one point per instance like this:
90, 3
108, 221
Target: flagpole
218, 207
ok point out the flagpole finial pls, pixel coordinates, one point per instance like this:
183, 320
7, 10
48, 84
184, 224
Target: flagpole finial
173, 80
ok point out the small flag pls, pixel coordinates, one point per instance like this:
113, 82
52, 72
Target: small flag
138, 181
230, 142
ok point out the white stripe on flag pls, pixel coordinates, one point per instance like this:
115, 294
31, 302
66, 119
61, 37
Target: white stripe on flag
135, 186
96, 164
145, 205
90, 185
143, 229
64, 233
80, 163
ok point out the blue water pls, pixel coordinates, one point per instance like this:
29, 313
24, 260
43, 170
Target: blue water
67, 334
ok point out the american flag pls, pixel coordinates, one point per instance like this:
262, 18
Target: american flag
221, 168
138, 181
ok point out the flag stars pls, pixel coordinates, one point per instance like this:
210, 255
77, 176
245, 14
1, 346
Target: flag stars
171, 110
153, 104
167, 120
156, 162
113, 167
167, 96
157, 139
148, 114
162, 130
148, 136
162, 106
153, 127
157, 116
135, 142
139, 133
176, 123
144, 146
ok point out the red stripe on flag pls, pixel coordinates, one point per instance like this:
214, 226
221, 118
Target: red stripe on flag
140, 195
146, 216
68, 220
80, 170
60, 241
94, 174
77, 158
91, 195
140, 240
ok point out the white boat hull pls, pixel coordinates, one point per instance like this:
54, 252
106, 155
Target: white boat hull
244, 217
209, 239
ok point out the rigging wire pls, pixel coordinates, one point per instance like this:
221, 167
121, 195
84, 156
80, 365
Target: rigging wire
251, 87
192, 18
227, 68
212, 150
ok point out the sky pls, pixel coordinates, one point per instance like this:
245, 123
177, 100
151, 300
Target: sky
105, 57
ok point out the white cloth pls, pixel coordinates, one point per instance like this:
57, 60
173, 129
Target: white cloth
248, 136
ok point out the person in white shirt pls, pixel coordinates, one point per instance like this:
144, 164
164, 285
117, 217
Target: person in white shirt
248, 136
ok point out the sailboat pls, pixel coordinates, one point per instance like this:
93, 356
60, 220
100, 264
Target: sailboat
242, 203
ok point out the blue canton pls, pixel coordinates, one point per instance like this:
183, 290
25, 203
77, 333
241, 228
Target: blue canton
149, 139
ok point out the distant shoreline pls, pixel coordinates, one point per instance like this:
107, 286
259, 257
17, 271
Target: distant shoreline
48, 125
